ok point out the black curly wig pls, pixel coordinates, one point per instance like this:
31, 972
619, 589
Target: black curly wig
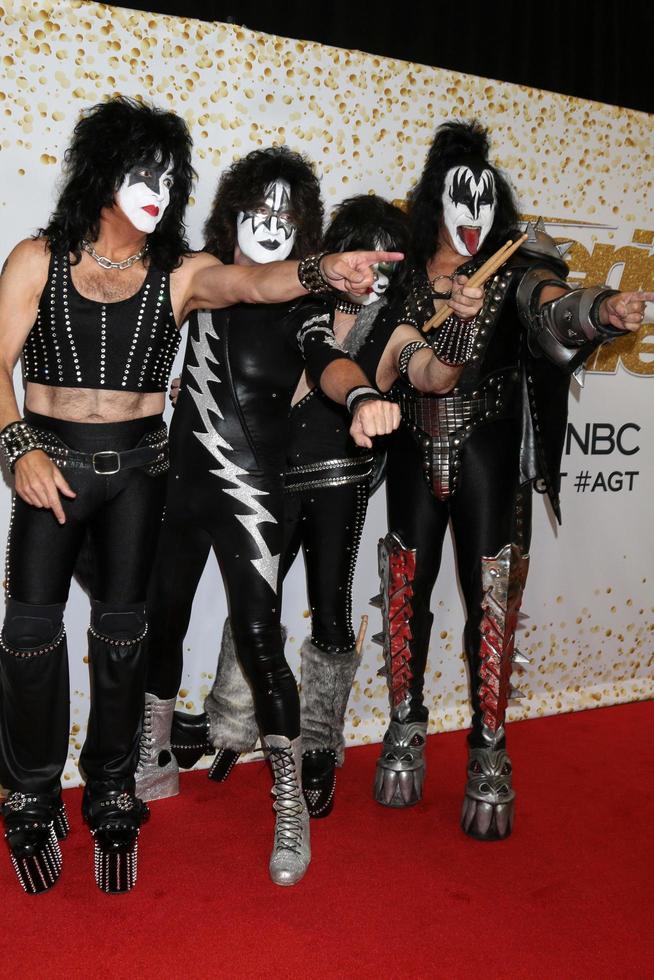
241, 188
108, 141
456, 143
369, 222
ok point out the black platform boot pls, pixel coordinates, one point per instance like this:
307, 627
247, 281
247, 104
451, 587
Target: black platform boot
326, 684
114, 817
34, 731
34, 825
109, 756
189, 738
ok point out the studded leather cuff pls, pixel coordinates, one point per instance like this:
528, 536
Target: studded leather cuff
406, 354
17, 439
454, 342
310, 275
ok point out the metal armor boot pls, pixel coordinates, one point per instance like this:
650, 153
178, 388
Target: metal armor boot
401, 765
34, 825
157, 772
291, 853
114, 817
488, 802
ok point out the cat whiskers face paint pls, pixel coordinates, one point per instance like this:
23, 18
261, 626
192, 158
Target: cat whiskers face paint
267, 233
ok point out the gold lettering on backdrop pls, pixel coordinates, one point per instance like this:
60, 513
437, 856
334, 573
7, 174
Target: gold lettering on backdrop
627, 268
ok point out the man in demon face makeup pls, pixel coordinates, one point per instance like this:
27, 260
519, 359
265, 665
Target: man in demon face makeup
471, 456
93, 304
228, 445
469, 206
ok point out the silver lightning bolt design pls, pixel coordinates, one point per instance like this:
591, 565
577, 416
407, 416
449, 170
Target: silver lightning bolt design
267, 566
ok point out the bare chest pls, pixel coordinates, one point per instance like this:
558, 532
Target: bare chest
107, 285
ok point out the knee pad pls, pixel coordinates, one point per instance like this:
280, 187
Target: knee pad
118, 621
28, 626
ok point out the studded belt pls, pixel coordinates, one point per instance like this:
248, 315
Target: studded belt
151, 454
442, 425
328, 473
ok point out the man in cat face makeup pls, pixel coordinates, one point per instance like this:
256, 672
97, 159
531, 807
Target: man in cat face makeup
228, 444
93, 305
471, 456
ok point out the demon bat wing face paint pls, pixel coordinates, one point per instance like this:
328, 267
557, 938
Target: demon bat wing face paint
468, 207
144, 194
267, 233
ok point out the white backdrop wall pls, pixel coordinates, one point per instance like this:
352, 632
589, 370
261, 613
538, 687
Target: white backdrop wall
366, 121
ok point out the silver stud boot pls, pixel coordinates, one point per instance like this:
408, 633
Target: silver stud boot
291, 852
401, 765
157, 773
34, 825
489, 798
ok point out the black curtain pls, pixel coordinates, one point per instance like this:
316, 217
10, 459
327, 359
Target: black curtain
594, 49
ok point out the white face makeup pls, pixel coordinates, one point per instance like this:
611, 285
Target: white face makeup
144, 194
382, 272
267, 233
468, 208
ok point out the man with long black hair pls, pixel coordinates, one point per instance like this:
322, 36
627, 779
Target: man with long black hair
472, 455
93, 304
228, 442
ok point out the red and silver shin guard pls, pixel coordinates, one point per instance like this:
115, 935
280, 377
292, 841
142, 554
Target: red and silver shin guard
489, 797
401, 765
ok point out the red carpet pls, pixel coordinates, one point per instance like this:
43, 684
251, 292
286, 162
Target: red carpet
389, 894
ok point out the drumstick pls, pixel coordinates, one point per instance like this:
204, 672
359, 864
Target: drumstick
358, 646
478, 278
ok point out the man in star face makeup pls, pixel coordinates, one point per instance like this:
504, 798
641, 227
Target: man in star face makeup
93, 304
469, 457
228, 451
144, 194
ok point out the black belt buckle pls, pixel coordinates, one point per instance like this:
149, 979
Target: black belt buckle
100, 469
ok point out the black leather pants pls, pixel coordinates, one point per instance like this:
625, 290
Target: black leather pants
202, 515
119, 516
483, 515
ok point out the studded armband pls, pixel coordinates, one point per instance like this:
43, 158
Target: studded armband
455, 340
406, 354
17, 439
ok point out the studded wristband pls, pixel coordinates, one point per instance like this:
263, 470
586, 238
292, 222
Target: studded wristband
16, 439
362, 393
406, 354
454, 341
310, 275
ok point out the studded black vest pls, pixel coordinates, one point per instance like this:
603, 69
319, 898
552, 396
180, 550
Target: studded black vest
76, 342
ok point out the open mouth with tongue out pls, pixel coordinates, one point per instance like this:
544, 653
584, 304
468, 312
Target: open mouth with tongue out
470, 235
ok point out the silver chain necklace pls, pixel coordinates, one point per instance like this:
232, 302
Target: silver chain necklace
106, 263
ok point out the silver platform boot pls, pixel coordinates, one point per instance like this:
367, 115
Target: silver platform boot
291, 852
157, 772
